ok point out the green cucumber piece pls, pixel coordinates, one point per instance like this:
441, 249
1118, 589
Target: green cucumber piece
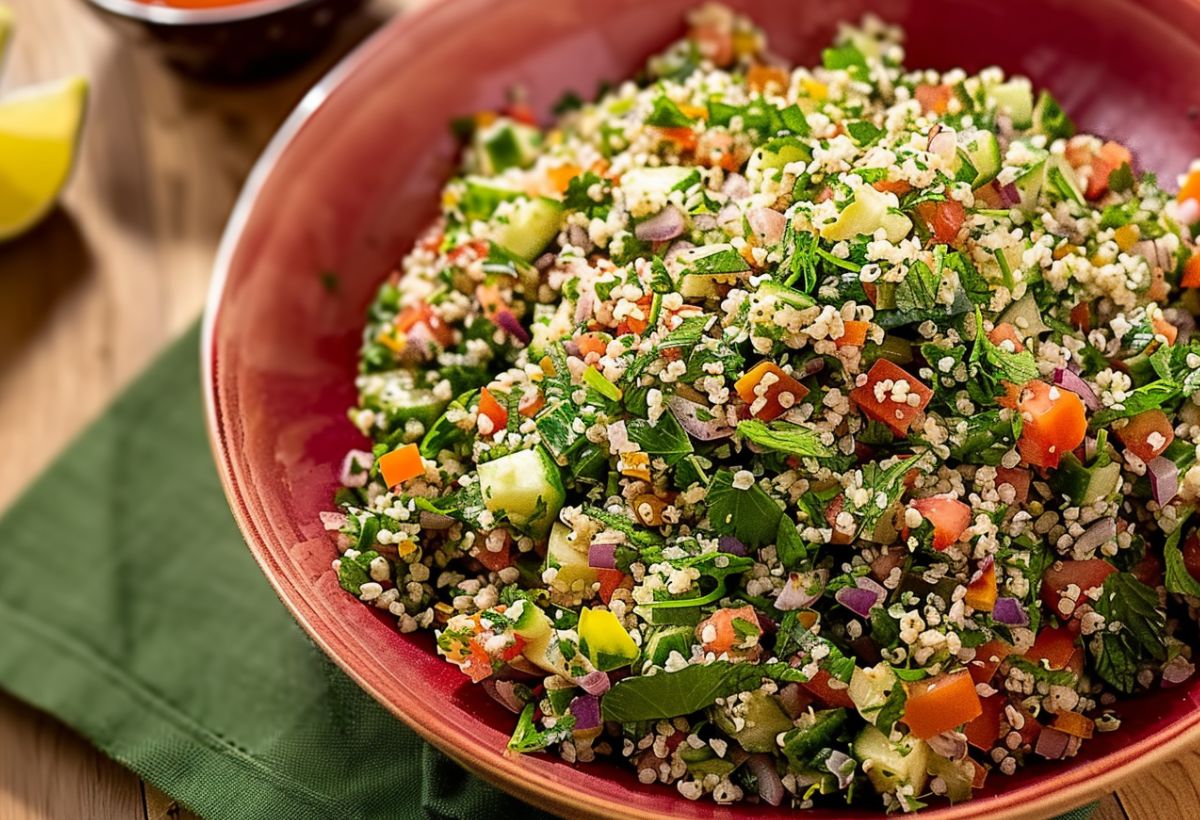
1029, 184
1025, 315
506, 144
526, 487
764, 720
529, 227
982, 150
890, 765
571, 565
667, 639
1015, 98
788, 296
394, 394
1049, 118
483, 195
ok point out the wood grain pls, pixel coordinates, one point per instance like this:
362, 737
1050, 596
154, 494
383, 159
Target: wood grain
119, 270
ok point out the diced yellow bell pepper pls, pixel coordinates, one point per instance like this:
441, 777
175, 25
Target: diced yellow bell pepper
604, 640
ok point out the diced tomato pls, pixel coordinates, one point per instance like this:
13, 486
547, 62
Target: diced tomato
1083, 574
821, 689
494, 560
872, 291
1056, 646
684, 137
899, 187
1147, 434
1191, 555
478, 665
514, 648
1004, 332
1055, 423
949, 517
944, 219
1191, 272
1017, 478
462, 255
984, 730
1111, 157
1190, 188
981, 591
1149, 570
591, 343
421, 313
759, 77
493, 409
633, 324
521, 112
714, 41
723, 637
1081, 316
401, 464
934, 99
887, 560
979, 774
832, 511
987, 196
776, 397
988, 658
897, 415
854, 335
941, 703
610, 580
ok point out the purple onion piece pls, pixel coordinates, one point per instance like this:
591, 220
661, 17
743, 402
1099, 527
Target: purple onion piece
586, 709
435, 521
736, 187
770, 785
1072, 381
857, 600
333, 521
870, 584
594, 682
571, 348
356, 467
768, 225
1164, 479
602, 556
687, 413
506, 320
1177, 670
1009, 611
1009, 194
663, 226
841, 766
1094, 536
545, 261
732, 546
814, 366
682, 246
1053, 744
730, 218
583, 308
801, 590
951, 745
504, 692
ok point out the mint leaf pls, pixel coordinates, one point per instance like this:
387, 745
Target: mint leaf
749, 515
636, 535
884, 486
664, 438
785, 438
1147, 397
671, 694
1178, 579
1117, 655
789, 547
666, 114
577, 196
723, 259
864, 132
990, 364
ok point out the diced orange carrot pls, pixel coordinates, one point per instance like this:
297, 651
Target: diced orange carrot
401, 464
592, 343
854, 335
716, 633
561, 176
1004, 332
949, 517
1085, 575
941, 703
778, 395
493, 409
531, 403
934, 99
683, 136
1191, 272
1190, 188
897, 415
1055, 423
981, 591
760, 77
1164, 328
1147, 434
1073, 723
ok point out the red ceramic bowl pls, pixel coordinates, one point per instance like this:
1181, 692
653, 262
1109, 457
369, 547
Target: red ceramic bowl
354, 175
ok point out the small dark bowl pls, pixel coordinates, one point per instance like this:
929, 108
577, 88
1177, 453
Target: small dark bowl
243, 41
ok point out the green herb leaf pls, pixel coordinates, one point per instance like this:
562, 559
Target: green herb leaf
1134, 605
636, 535
785, 438
864, 132
1178, 579
666, 114
528, 738
750, 515
723, 259
671, 694
665, 438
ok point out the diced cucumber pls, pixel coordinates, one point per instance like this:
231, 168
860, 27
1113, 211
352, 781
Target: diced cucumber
774, 155
667, 639
1029, 184
646, 189
529, 621
482, 195
394, 394
869, 689
1049, 118
506, 144
526, 487
764, 719
529, 227
1025, 315
1015, 98
890, 765
813, 731
573, 578
1061, 181
704, 285
544, 653
870, 211
958, 775
788, 296
704, 761
982, 150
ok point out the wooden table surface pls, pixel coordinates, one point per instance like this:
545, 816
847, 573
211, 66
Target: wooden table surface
118, 271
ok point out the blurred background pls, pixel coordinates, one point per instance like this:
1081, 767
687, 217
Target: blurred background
120, 266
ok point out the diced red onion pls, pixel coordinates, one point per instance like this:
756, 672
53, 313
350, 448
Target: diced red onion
870, 584
435, 521
1154, 252
951, 745
767, 223
841, 766
1008, 611
333, 521
677, 248
704, 222
1185, 322
984, 565
1094, 536
602, 556
1073, 382
507, 321
730, 545
594, 682
1053, 744
736, 187
795, 700
571, 347
419, 340
1177, 670
801, 590
687, 413
664, 225
583, 308
618, 436
857, 600
355, 467
770, 786
586, 709
1009, 195
1164, 479
730, 218
546, 261
814, 366
578, 236
504, 692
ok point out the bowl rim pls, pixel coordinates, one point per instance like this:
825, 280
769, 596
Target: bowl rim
236, 11
1048, 797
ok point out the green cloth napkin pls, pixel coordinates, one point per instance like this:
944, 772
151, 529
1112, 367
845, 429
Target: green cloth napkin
131, 609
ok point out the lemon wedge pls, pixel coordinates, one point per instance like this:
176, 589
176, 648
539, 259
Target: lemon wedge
39, 131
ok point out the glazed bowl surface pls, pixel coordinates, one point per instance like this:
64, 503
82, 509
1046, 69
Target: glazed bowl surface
354, 176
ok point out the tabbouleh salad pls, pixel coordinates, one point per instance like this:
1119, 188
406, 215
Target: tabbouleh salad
796, 435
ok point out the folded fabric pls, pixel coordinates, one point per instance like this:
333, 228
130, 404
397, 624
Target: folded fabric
132, 610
